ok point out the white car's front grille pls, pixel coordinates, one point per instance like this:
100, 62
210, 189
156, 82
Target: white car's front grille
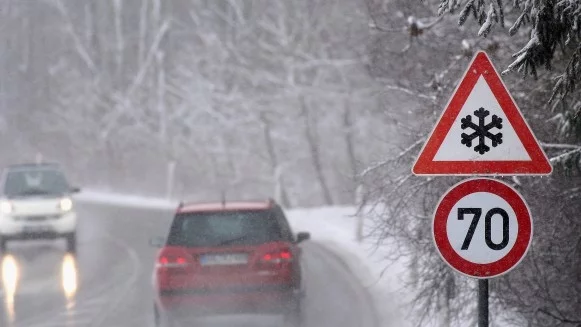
37, 218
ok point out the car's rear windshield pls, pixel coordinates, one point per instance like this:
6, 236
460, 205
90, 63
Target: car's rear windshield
35, 182
210, 229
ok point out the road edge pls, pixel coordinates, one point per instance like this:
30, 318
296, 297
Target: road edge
360, 289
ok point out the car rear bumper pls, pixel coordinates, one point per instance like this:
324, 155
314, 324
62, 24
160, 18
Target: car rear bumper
11, 228
272, 299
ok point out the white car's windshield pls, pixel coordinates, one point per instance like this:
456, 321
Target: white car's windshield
35, 182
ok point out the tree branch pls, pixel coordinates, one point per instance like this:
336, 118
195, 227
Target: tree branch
382, 164
559, 146
81, 50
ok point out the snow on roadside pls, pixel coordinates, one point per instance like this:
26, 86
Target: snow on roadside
334, 227
124, 200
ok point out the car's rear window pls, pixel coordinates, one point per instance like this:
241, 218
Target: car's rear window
210, 229
35, 182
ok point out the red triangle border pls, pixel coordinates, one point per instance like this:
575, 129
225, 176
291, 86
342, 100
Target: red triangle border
481, 66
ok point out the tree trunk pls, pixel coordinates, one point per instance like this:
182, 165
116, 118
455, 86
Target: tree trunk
28, 63
170, 179
414, 267
156, 25
142, 32
6, 44
161, 103
94, 47
274, 165
119, 42
228, 174
218, 177
310, 134
113, 167
350, 147
230, 161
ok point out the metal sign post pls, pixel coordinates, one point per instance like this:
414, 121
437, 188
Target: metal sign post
483, 303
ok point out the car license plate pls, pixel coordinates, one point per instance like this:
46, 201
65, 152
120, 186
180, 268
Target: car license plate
224, 259
36, 229
35, 218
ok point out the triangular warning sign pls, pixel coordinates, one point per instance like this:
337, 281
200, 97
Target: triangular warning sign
481, 131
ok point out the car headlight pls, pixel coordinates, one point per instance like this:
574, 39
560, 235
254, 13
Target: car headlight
66, 204
5, 207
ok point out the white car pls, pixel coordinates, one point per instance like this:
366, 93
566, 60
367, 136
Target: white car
36, 203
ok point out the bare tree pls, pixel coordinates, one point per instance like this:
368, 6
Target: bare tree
312, 141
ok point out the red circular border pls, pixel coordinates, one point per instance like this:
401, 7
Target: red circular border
478, 270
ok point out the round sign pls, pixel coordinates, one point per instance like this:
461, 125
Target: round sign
482, 228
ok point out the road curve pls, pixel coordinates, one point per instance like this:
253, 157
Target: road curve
108, 282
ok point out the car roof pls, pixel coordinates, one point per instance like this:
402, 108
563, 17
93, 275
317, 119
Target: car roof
225, 206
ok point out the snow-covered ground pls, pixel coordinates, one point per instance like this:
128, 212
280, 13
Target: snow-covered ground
334, 227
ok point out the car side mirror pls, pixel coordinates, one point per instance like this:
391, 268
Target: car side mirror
303, 236
157, 242
75, 189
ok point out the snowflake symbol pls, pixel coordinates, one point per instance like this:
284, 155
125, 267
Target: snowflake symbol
481, 131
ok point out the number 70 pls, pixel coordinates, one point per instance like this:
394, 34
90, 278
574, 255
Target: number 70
477, 212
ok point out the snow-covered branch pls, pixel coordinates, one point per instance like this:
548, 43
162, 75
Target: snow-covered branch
138, 79
564, 156
81, 49
559, 146
431, 98
400, 155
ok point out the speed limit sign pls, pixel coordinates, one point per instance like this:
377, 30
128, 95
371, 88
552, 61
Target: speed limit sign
482, 228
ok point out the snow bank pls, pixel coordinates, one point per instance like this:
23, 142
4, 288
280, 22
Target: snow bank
335, 228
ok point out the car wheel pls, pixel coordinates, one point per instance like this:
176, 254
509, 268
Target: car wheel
294, 317
161, 320
156, 317
171, 322
71, 242
3, 242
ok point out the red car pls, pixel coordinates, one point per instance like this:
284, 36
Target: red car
229, 258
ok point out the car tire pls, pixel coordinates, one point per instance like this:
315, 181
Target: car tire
295, 317
71, 240
3, 243
156, 317
170, 322
161, 320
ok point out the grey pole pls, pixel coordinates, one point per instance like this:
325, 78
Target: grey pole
483, 303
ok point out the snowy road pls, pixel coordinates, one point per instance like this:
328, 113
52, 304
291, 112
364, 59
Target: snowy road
108, 284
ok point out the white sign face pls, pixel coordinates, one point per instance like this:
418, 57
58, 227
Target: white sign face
499, 142
482, 227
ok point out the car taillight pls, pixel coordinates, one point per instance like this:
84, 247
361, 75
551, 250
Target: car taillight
278, 257
166, 261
